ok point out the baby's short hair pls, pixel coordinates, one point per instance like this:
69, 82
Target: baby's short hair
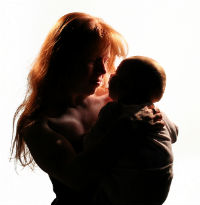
137, 80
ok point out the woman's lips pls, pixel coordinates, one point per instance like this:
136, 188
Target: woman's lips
97, 81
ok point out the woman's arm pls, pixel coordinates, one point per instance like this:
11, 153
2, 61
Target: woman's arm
55, 155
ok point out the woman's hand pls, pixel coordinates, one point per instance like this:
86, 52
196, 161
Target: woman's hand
149, 119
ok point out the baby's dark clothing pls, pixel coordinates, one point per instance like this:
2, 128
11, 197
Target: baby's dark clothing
143, 173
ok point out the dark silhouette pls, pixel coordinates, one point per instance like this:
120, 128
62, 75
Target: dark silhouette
66, 90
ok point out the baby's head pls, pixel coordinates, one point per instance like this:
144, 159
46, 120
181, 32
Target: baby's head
137, 80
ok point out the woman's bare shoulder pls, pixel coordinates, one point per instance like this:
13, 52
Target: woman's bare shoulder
35, 128
44, 144
38, 133
68, 127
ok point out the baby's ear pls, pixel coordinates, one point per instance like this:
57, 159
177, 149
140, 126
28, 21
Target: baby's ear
113, 86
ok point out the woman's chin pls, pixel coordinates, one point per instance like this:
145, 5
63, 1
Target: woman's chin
101, 91
91, 91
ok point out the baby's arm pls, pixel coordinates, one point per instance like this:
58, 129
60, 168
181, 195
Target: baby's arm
172, 128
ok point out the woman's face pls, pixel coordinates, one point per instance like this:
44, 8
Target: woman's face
89, 68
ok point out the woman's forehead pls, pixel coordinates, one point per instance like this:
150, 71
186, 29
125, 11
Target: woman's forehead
98, 49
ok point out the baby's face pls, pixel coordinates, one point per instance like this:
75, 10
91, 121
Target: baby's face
138, 79
113, 87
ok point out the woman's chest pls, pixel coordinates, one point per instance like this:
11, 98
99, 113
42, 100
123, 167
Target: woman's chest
73, 124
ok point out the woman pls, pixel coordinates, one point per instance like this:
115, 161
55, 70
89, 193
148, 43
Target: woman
59, 107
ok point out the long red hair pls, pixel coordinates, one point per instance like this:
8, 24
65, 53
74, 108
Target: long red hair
71, 32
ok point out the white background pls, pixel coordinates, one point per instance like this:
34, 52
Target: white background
166, 30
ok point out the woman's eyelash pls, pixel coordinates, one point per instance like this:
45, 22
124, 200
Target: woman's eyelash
105, 60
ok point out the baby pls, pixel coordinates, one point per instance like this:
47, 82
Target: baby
142, 172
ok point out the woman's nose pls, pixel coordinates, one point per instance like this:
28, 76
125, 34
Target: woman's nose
101, 67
